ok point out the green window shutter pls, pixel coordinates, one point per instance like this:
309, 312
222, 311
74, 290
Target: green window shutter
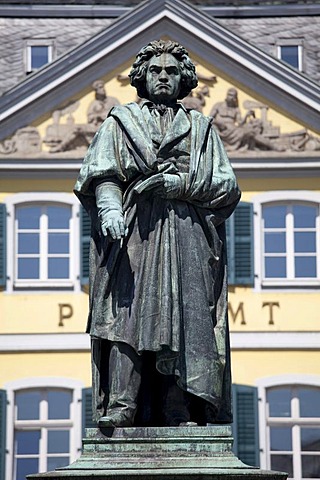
245, 424
85, 234
3, 221
3, 411
239, 229
87, 421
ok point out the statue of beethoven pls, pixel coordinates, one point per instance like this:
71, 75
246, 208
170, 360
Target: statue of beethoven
158, 187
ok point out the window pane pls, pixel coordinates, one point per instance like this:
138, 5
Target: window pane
58, 243
39, 56
58, 268
58, 441
28, 405
59, 405
28, 268
305, 267
275, 217
28, 243
27, 443
56, 462
305, 242
310, 466
310, 439
26, 466
275, 242
282, 463
304, 217
279, 401
290, 55
275, 267
58, 217
280, 438
309, 402
28, 217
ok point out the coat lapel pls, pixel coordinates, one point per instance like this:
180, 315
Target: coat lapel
179, 129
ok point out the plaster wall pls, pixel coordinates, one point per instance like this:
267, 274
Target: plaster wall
74, 365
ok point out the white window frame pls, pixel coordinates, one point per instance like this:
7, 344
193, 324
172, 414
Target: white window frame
64, 199
15, 386
292, 42
273, 197
38, 42
289, 380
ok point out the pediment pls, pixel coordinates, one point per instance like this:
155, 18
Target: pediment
57, 98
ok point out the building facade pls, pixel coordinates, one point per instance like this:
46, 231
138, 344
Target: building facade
62, 70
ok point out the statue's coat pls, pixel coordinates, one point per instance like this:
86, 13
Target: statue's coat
163, 288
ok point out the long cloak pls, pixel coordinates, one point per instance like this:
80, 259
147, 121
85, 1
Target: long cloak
163, 288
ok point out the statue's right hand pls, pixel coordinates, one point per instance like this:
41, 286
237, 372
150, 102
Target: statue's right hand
113, 224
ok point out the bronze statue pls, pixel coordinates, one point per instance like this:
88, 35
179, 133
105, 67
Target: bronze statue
158, 186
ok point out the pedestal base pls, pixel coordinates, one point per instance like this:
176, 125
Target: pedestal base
164, 453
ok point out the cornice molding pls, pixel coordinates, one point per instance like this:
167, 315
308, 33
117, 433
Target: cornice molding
257, 165
68, 342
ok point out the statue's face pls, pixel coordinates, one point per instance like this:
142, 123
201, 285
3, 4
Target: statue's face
232, 98
99, 87
163, 79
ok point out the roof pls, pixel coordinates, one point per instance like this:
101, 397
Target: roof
281, 86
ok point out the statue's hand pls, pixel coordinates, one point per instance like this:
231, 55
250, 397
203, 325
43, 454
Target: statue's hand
171, 186
113, 224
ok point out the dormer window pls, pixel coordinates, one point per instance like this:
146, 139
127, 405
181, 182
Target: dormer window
290, 51
38, 53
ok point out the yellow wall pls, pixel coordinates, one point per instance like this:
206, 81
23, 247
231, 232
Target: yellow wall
75, 365
9, 186
250, 366
43, 312
253, 186
273, 311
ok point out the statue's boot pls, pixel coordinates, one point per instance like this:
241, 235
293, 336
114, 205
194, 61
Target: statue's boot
176, 404
124, 384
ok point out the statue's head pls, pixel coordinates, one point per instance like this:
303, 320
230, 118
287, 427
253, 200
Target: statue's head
232, 97
98, 87
163, 72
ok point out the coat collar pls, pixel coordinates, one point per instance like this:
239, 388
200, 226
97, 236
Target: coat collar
179, 128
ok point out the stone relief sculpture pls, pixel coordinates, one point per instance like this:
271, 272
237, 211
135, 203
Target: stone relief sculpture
99, 109
158, 291
25, 141
196, 100
70, 136
252, 133
239, 133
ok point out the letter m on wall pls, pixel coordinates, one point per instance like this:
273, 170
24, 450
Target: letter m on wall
239, 229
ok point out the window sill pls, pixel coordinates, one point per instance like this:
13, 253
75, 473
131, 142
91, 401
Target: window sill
296, 283
27, 285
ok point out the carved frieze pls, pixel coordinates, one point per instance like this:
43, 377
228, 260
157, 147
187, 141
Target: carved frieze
251, 131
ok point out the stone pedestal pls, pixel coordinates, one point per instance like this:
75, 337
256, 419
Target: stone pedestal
166, 453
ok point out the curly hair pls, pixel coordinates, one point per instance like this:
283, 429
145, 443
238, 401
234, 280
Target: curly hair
156, 48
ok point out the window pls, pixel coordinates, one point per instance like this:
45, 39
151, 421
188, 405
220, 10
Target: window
43, 241
287, 239
43, 425
39, 52
291, 241
290, 51
293, 424
42, 431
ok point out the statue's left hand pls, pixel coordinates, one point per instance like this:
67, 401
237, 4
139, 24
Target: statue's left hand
171, 186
